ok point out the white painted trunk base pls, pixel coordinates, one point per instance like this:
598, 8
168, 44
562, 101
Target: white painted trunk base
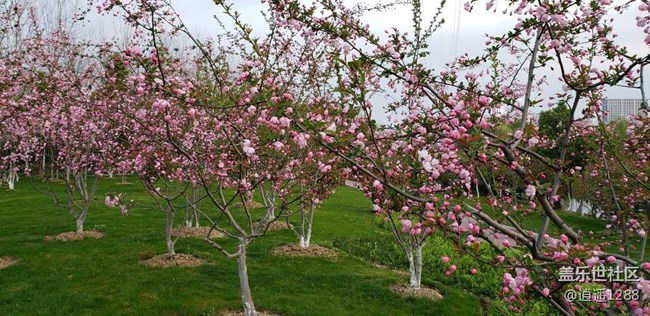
246, 297
80, 226
11, 180
415, 267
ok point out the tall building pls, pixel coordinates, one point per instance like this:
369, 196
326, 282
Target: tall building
621, 108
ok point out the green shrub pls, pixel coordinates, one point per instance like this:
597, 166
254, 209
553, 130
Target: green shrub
487, 283
385, 251
533, 307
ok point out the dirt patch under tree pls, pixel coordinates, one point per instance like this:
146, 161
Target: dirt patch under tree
196, 232
7, 261
249, 204
294, 250
277, 225
241, 313
403, 290
72, 236
177, 260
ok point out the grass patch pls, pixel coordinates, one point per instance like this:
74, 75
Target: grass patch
104, 276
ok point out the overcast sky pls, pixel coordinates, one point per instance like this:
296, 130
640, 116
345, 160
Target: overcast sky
463, 32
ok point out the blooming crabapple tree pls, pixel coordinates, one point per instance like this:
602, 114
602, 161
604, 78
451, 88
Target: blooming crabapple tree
638, 168
79, 141
302, 71
381, 156
408, 166
229, 133
317, 175
618, 176
15, 139
17, 143
55, 110
192, 218
147, 124
311, 177
456, 109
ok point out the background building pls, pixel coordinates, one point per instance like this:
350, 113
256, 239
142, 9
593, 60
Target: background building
620, 108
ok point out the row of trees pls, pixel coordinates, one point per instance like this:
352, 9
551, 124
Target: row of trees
283, 116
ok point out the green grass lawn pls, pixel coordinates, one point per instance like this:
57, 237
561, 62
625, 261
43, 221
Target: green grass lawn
104, 276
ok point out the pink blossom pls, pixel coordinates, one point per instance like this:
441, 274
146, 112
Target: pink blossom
406, 225
248, 150
592, 261
530, 191
323, 168
132, 51
285, 122
564, 238
644, 286
111, 202
301, 140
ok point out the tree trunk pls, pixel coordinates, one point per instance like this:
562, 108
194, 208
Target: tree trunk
43, 165
11, 179
415, 266
304, 241
269, 203
270, 214
192, 210
188, 221
246, 297
580, 206
195, 206
306, 221
81, 181
80, 224
169, 222
81, 219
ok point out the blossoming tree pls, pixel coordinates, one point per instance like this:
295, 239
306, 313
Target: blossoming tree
460, 114
228, 128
